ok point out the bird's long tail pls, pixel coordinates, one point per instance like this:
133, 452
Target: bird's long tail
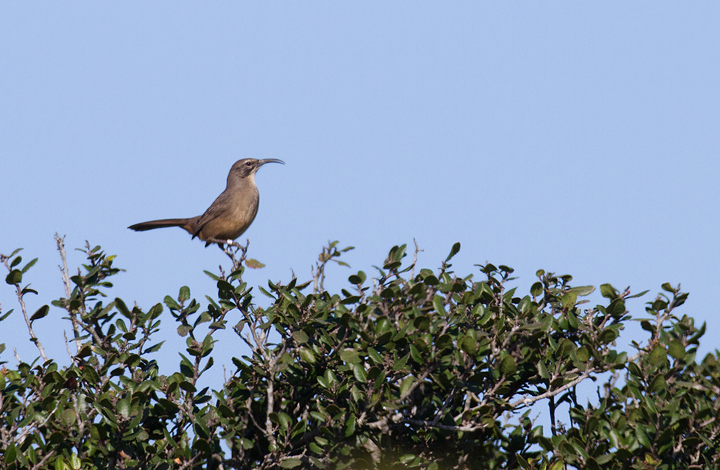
187, 224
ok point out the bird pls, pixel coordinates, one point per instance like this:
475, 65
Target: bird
232, 212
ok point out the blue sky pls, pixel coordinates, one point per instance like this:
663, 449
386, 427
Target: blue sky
576, 137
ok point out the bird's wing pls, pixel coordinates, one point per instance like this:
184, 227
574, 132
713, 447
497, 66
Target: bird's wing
215, 210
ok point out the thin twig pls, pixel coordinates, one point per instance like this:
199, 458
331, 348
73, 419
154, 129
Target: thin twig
67, 346
445, 427
60, 241
529, 400
20, 294
415, 257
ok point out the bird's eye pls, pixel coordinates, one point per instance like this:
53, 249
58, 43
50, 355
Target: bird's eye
248, 163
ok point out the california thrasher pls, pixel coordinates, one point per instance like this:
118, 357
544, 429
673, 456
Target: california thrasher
232, 212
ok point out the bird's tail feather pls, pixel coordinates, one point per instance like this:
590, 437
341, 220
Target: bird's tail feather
153, 224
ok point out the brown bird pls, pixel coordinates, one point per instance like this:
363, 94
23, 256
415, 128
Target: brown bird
232, 212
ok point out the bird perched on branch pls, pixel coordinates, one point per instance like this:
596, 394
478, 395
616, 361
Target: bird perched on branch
232, 212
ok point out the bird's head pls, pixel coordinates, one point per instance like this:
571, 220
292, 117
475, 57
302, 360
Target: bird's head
246, 168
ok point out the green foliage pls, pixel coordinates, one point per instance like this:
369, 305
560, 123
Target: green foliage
428, 370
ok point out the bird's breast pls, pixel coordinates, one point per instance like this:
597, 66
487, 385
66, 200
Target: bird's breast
239, 211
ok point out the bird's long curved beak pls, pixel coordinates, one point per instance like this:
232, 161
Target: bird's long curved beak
269, 160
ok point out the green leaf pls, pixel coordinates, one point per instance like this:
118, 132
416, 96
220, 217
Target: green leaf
350, 356
171, 304
422, 323
676, 349
307, 355
642, 437
680, 299
69, 417
207, 345
184, 329
583, 291
359, 373
406, 384
10, 454
439, 304
155, 311
565, 347
468, 344
508, 366
569, 300
542, 370
399, 253
14, 277
41, 312
669, 288
658, 355
583, 354
122, 308
290, 462
350, 425
558, 465
394, 258
608, 291
284, 420
300, 336
29, 265
401, 363
184, 294
187, 386
453, 251
358, 278
616, 308
608, 335
572, 320
212, 276
444, 342
536, 289
123, 406
373, 354
330, 378
637, 295
658, 384
634, 369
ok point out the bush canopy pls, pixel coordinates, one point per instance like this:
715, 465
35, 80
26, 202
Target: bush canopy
411, 368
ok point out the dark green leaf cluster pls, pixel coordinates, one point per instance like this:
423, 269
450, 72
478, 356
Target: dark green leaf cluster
409, 368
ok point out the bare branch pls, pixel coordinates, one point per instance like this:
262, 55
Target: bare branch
415, 257
60, 241
431, 424
231, 249
529, 400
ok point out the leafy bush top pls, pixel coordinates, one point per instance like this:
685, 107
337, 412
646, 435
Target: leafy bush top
408, 369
